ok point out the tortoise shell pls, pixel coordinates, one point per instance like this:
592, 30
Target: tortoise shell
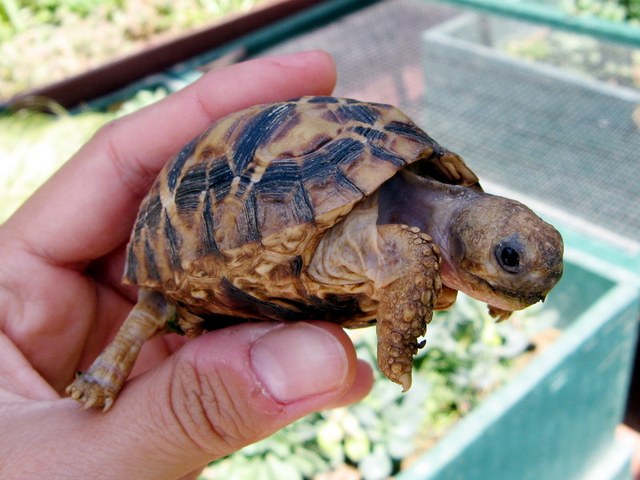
245, 203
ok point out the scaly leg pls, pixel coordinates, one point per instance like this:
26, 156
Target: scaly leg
406, 303
395, 265
100, 385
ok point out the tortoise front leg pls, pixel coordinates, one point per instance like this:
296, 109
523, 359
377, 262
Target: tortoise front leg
396, 266
407, 302
100, 385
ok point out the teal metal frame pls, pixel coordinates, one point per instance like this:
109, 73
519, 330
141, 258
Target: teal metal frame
539, 12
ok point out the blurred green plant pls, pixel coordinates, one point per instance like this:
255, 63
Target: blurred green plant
611, 10
584, 55
467, 357
42, 41
33, 145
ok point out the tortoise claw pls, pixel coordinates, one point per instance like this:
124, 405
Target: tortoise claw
405, 381
499, 314
108, 402
86, 390
89, 402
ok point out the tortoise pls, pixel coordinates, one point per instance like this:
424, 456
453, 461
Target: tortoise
321, 208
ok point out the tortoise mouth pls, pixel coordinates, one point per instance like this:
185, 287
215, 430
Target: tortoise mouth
485, 291
502, 297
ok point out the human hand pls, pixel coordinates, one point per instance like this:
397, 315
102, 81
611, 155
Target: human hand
61, 301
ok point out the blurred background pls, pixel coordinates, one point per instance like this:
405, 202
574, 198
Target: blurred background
542, 99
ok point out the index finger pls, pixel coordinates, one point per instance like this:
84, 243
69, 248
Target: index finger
86, 210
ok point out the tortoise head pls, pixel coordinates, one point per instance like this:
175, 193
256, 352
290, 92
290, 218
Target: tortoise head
501, 252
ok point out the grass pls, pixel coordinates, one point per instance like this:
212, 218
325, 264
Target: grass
34, 145
42, 41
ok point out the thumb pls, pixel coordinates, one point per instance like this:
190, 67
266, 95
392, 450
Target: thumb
225, 390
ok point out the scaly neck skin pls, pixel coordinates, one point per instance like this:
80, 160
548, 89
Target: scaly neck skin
429, 205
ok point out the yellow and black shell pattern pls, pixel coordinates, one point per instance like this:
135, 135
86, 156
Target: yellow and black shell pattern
248, 200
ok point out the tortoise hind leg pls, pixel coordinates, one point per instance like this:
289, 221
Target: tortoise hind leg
100, 385
406, 303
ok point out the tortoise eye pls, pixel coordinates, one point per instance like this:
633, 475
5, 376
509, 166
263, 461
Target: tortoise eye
508, 258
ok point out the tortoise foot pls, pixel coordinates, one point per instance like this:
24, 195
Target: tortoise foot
100, 385
89, 391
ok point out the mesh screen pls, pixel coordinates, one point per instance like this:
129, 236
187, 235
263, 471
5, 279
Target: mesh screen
563, 128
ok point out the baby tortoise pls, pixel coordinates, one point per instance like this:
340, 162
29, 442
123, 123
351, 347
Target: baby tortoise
321, 208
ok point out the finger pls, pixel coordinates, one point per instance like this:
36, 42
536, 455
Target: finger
87, 209
226, 390
17, 376
361, 386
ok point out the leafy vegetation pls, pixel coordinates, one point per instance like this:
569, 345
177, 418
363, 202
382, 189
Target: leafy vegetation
43, 155
33, 145
587, 56
42, 41
611, 10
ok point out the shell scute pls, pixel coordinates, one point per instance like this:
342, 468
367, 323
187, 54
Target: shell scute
150, 264
236, 223
283, 204
209, 244
366, 114
152, 214
320, 99
189, 192
256, 132
330, 193
178, 164
220, 178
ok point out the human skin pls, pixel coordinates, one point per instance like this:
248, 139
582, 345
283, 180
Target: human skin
61, 301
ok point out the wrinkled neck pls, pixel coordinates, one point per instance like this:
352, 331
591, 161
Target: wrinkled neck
425, 203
